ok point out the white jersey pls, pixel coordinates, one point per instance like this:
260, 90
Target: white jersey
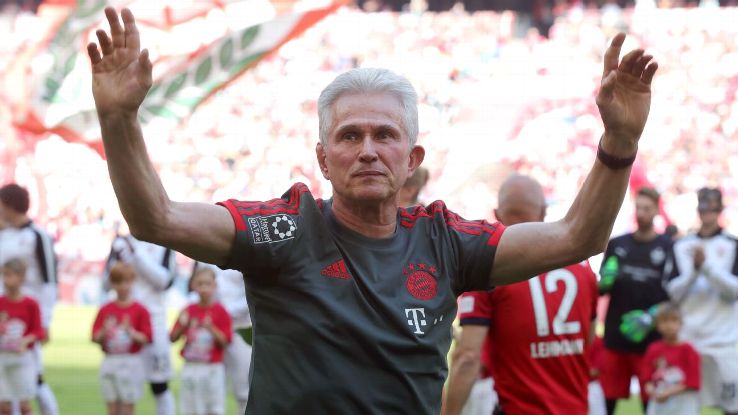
155, 271
707, 295
34, 246
231, 293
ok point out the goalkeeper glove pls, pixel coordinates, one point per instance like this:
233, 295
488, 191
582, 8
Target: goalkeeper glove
635, 325
608, 273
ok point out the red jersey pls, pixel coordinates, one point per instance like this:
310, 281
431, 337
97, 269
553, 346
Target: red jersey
595, 356
18, 319
200, 345
671, 364
538, 339
117, 318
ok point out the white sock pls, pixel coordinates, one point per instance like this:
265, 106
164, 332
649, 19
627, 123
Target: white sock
165, 403
46, 400
242, 407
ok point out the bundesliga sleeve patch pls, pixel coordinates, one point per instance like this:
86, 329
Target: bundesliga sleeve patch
273, 228
466, 304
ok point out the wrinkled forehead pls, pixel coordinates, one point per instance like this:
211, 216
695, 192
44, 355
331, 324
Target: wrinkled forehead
367, 108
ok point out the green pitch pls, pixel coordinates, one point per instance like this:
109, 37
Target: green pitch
71, 365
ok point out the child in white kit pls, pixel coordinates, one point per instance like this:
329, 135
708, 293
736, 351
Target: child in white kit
122, 327
206, 327
20, 328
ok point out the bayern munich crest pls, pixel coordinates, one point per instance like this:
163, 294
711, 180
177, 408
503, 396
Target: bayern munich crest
421, 281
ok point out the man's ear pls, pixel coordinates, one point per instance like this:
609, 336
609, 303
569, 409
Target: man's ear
497, 216
320, 153
417, 155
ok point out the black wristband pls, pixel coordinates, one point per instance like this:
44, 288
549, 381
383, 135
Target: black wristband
614, 162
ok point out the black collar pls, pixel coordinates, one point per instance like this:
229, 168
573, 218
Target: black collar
716, 233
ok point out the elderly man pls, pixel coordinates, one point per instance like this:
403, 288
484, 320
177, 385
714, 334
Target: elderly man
352, 298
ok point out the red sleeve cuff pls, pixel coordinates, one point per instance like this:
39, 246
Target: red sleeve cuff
237, 218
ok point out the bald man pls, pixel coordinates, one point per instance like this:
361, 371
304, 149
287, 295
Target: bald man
530, 337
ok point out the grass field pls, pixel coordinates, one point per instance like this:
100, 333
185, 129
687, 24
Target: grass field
72, 362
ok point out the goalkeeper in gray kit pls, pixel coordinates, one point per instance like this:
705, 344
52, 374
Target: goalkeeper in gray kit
632, 274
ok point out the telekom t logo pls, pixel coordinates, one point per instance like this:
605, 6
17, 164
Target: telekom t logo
417, 320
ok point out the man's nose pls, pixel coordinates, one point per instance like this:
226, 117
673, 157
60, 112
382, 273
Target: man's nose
368, 150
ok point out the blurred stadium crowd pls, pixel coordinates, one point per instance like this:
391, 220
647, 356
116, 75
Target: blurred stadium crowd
495, 96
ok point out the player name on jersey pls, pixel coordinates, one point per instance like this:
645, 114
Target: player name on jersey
542, 350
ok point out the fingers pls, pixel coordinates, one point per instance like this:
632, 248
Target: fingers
648, 73
612, 54
629, 61
640, 64
116, 30
93, 53
105, 43
132, 38
144, 60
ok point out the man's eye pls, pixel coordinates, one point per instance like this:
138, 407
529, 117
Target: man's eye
350, 136
386, 135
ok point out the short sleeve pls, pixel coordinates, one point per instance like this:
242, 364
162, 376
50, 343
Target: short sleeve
266, 231
475, 308
591, 279
224, 323
97, 324
35, 328
471, 244
692, 369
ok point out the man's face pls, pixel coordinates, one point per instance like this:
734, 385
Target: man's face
368, 156
646, 211
709, 212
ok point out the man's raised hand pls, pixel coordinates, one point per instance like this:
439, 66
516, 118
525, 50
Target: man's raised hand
121, 75
624, 98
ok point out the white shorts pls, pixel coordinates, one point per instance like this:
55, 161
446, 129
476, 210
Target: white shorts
202, 389
38, 358
685, 403
482, 398
157, 360
122, 378
719, 385
237, 360
596, 397
17, 376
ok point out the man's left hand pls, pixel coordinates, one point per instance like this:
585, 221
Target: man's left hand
624, 98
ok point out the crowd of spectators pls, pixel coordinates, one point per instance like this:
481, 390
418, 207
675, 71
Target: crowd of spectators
491, 101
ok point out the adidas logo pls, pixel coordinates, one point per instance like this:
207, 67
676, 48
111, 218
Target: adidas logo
336, 270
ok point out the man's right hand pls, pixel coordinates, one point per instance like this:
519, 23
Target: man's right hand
635, 325
122, 75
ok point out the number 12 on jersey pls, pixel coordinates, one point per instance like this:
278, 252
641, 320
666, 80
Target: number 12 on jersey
559, 323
